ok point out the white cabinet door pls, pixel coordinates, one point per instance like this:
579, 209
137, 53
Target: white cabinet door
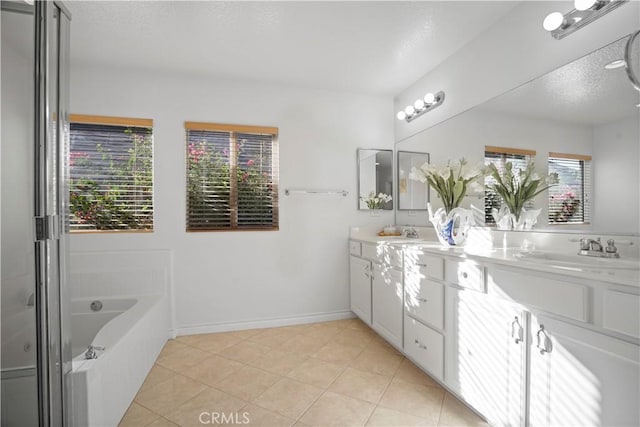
387, 303
581, 377
488, 357
360, 284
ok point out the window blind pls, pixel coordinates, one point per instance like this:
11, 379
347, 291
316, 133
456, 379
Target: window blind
111, 174
499, 156
569, 201
232, 177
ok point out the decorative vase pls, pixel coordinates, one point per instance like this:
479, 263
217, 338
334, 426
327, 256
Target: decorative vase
528, 218
502, 217
375, 212
451, 228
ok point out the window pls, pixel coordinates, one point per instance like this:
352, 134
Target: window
111, 174
499, 156
569, 200
232, 177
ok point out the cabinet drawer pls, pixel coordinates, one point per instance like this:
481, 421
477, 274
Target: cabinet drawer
355, 248
431, 266
425, 346
554, 296
621, 312
466, 274
383, 254
424, 299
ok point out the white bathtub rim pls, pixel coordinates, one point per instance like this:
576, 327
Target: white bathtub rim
117, 328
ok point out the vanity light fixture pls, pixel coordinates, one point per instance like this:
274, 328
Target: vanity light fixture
421, 106
586, 11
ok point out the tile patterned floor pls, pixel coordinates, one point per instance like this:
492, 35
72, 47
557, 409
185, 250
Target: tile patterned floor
324, 374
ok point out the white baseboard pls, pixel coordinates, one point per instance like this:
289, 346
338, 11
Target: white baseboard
260, 323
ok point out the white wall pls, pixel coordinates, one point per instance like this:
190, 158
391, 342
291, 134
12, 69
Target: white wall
466, 135
512, 52
232, 277
616, 149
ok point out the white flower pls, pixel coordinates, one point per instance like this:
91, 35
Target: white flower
445, 172
376, 202
417, 175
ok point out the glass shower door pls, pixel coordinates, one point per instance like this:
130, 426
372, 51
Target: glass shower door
35, 344
19, 381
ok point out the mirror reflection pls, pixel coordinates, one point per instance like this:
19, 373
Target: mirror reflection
581, 121
412, 194
375, 176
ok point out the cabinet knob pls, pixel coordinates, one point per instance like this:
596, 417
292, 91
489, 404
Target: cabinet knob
422, 299
420, 345
464, 274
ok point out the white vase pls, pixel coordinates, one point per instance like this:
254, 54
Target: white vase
375, 212
502, 218
528, 218
451, 228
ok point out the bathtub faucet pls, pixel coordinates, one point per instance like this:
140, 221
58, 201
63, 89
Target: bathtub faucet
92, 351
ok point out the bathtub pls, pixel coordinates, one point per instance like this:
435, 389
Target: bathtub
132, 330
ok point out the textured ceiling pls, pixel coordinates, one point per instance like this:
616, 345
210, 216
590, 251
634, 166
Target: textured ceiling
371, 47
581, 92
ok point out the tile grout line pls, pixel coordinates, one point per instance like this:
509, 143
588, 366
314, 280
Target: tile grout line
340, 327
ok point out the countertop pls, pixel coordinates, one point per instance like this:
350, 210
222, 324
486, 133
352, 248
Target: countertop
527, 259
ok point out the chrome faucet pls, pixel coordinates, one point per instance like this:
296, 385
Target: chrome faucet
92, 352
411, 233
591, 247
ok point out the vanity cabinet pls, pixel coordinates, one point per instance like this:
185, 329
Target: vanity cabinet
488, 355
376, 288
387, 303
522, 347
360, 288
424, 338
581, 377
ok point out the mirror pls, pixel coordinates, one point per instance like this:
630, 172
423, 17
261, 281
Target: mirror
375, 175
412, 195
582, 108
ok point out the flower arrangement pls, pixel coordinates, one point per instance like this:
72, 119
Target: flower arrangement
375, 202
569, 204
516, 189
451, 181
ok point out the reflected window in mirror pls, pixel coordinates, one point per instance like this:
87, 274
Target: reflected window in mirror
412, 194
499, 156
375, 176
569, 201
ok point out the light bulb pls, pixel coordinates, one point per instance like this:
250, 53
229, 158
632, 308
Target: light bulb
401, 115
419, 104
409, 110
585, 4
553, 21
615, 64
429, 98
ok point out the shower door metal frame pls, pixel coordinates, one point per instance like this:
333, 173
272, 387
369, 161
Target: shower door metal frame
51, 22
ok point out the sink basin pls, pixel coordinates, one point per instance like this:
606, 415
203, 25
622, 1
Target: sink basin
578, 261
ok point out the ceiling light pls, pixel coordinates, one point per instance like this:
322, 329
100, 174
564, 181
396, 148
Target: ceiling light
553, 21
586, 11
421, 106
618, 63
